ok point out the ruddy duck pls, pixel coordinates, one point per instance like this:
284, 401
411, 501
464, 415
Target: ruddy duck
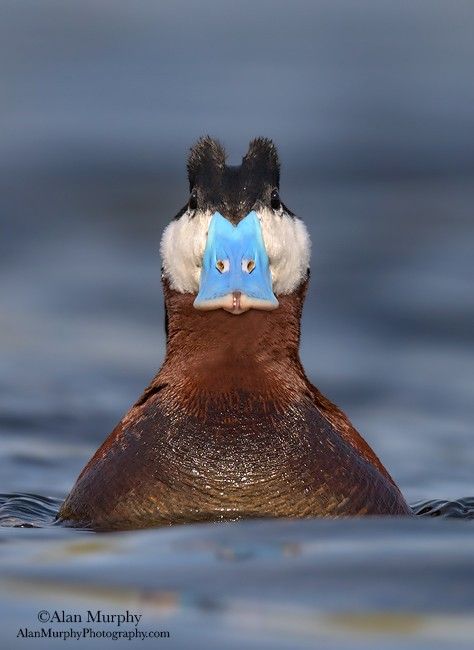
231, 427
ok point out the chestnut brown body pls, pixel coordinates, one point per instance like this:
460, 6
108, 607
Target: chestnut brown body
231, 427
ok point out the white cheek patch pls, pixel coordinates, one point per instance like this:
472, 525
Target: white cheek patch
286, 240
288, 248
182, 249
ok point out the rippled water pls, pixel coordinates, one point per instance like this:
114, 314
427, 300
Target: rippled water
27, 510
356, 583
36, 511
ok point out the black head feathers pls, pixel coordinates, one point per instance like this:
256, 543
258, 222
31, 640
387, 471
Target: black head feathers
262, 157
207, 159
233, 190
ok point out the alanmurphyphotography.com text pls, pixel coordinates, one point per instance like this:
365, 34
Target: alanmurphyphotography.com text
113, 625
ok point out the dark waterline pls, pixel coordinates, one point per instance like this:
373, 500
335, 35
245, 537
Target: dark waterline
24, 510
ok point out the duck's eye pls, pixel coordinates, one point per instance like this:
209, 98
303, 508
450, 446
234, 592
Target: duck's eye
275, 200
193, 200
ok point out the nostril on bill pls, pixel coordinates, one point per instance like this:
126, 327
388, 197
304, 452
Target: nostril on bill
248, 266
222, 266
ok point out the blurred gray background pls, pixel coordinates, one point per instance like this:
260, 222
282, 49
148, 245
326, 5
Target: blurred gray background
370, 104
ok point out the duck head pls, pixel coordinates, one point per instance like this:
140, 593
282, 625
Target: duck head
235, 245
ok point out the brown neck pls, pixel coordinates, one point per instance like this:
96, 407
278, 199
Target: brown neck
218, 352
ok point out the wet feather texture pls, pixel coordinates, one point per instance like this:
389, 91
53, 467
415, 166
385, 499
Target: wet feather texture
230, 428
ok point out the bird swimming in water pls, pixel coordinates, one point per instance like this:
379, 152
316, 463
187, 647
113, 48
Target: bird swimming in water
231, 427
